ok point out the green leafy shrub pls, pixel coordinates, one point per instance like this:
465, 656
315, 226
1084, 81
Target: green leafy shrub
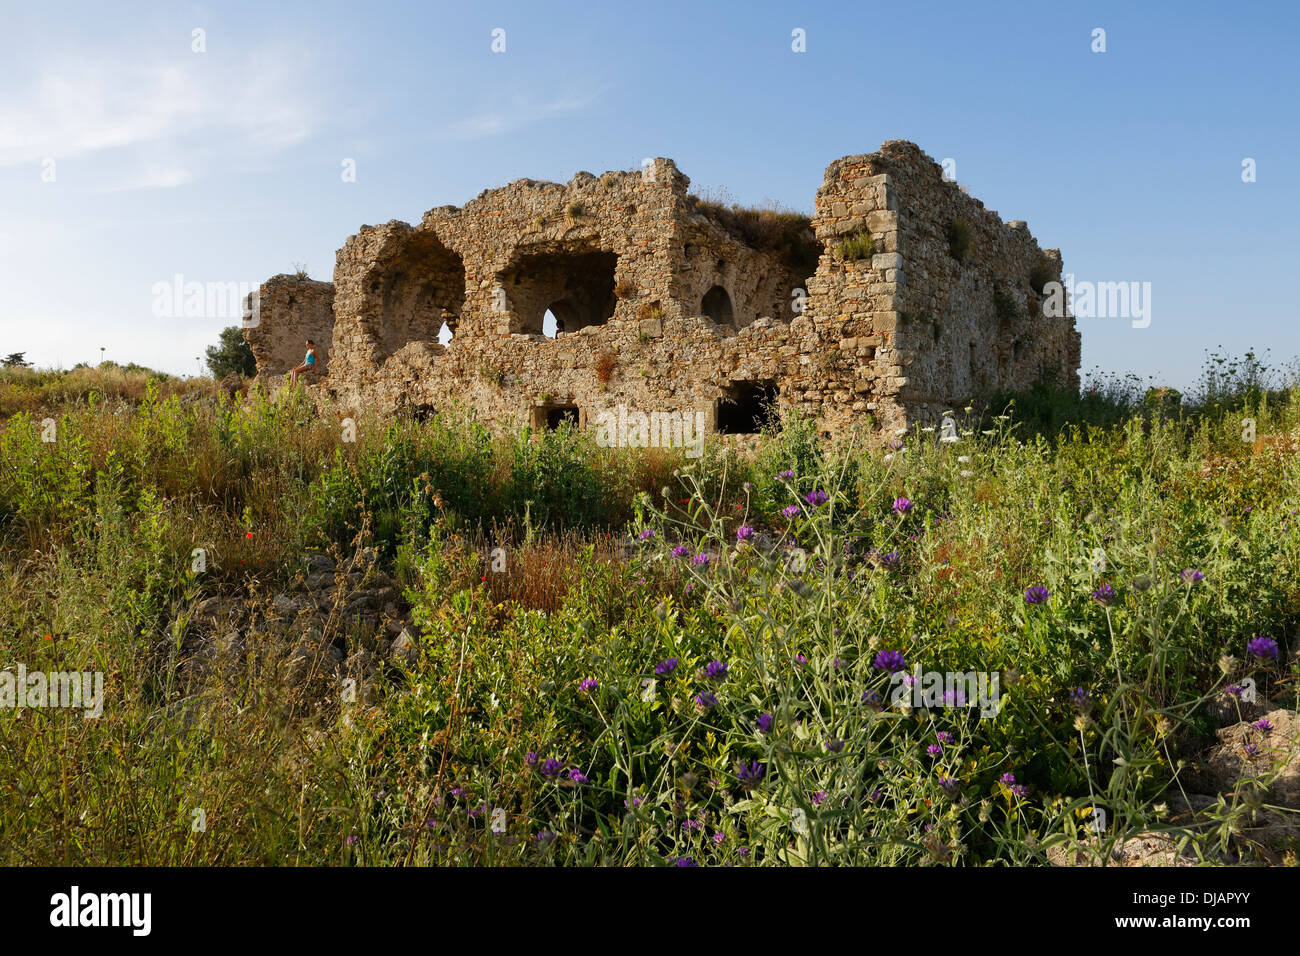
958, 234
859, 246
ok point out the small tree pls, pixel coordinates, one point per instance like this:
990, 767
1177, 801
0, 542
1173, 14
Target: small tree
15, 360
231, 354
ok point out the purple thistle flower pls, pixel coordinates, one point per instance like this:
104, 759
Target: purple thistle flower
834, 745
719, 839
752, 775
1251, 750
785, 475
790, 511
647, 534
764, 723
1037, 594
1020, 790
1191, 576
716, 670
888, 561
666, 666
934, 750
1105, 594
902, 505
684, 861
681, 551
530, 758
701, 559
891, 661
876, 795
945, 737
1263, 724
552, 768
949, 785
352, 840
1007, 778
873, 699
1081, 698
588, 685
744, 533
817, 497
577, 776
1234, 690
545, 837
706, 700
1265, 648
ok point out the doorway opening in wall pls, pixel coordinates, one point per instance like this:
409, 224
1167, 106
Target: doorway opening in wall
446, 334
550, 325
748, 407
716, 304
559, 414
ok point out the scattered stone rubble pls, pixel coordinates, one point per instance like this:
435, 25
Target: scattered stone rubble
335, 622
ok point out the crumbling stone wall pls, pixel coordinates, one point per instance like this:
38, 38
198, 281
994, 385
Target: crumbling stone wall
289, 311
661, 308
968, 290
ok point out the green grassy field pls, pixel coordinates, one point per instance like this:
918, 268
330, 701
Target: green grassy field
629, 657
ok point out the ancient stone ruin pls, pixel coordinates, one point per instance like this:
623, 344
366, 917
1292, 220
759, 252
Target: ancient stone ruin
900, 299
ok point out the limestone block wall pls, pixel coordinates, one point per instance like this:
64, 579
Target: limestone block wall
661, 308
968, 293
621, 262
854, 299
290, 311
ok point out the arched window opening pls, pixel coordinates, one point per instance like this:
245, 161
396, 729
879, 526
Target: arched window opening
576, 288
423, 294
717, 306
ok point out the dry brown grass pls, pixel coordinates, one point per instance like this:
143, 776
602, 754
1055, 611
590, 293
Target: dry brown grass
649, 310
771, 228
538, 574
606, 362
43, 392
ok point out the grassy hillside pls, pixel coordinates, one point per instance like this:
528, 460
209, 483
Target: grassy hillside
425, 645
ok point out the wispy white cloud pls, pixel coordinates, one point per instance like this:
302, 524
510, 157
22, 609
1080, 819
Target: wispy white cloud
160, 124
522, 112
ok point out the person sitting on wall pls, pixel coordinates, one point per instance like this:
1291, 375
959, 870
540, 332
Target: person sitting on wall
308, 363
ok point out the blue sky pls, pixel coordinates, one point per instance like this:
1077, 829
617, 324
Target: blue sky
224, 166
